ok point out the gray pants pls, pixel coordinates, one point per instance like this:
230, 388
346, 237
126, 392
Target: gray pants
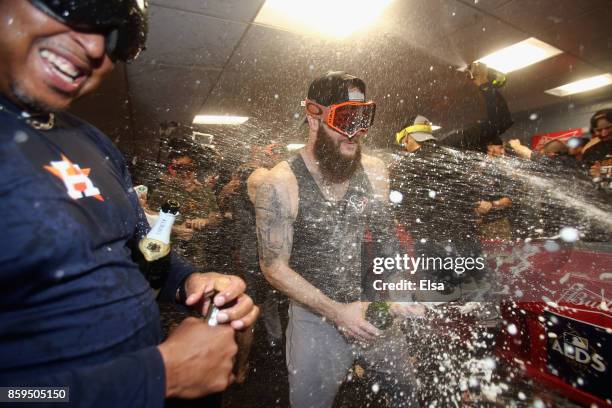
319, 357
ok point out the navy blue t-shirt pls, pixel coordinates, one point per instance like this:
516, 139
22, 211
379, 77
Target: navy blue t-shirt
75, 310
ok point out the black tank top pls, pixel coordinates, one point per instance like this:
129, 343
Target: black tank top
327, 235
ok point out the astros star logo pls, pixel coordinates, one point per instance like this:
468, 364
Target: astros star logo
76, 179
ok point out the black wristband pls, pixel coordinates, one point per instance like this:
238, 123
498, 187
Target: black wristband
181, 293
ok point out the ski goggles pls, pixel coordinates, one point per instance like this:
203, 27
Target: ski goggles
123, 22
346, 118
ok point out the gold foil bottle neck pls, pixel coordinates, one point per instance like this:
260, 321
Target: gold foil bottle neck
153, 249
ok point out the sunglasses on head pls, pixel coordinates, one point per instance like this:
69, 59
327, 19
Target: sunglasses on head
123, 22
347, 118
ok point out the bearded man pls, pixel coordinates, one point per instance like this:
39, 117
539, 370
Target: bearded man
312, 212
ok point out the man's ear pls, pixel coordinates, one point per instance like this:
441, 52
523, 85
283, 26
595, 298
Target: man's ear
313, 123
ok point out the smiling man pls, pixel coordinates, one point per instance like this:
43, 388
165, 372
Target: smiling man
75, 310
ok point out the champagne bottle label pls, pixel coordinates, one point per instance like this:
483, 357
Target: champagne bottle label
156, 244
163, 228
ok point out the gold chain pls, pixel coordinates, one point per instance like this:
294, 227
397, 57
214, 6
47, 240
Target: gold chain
36, 124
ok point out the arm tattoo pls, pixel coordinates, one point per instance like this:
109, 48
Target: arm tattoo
274, 224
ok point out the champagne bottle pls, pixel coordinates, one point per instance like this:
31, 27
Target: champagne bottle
496, 78
378, 315
213, 311
156, 244
155, 247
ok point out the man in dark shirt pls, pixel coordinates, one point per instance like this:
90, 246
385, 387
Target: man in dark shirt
437, 193
482, 135
75, 311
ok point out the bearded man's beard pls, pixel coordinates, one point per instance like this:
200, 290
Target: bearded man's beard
335, 167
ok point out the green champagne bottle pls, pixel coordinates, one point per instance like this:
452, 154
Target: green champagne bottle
378, 315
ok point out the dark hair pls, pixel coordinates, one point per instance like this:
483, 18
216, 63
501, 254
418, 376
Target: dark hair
179, 147
205, 158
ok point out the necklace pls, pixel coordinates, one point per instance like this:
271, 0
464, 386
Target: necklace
31, 121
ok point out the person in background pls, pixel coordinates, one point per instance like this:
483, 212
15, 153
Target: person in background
483, 135
495, 207
553, 153
236, 202
196, 225
250, 176
597, 154
435, 192
437, 195
75, 310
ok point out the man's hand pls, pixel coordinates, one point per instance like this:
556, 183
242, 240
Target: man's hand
479, 73
199, 288
349, 317
483, 207
198, 359
407, 309
197, 223
522, 151
182, 232
514, 143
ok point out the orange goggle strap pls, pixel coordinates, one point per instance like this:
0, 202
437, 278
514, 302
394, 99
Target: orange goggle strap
328, 112
424, 128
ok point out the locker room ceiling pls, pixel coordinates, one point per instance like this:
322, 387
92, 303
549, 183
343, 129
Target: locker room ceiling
208, 56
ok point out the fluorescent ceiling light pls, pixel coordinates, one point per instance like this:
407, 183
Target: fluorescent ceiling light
331, 18
520, 55
435, 127
219, 120
583, 85
295, 146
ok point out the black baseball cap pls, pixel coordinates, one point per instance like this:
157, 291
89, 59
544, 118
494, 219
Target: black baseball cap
333, 88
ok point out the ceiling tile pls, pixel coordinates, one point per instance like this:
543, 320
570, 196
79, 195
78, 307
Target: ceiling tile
485, 5
235, 10
592, 38
187, 39
535, 16
484, 37
417, 16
